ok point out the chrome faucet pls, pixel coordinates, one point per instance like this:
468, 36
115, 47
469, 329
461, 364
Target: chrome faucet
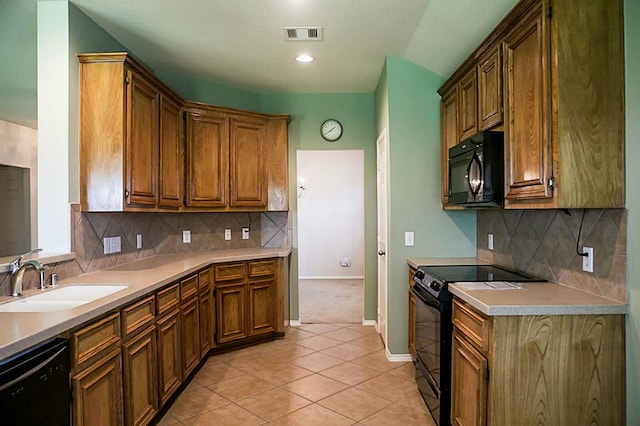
18, 267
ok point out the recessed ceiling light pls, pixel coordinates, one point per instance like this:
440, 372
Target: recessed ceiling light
304, 58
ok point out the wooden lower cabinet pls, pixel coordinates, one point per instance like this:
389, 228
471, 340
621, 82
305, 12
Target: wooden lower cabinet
190, 318
412, 324
97, 393
169, 355
261, 307
469, 379
537, 369
230, 312
205, 302
140, 378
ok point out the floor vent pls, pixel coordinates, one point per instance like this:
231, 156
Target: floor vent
303, 33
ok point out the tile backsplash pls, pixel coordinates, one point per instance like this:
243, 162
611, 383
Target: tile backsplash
161, 234
543, 243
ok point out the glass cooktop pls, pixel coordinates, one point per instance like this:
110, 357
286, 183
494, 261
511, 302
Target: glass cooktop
453, 273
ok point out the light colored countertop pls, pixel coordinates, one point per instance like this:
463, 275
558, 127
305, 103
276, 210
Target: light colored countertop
21, 330
540, 298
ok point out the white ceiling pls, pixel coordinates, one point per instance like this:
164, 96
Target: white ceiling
241, 42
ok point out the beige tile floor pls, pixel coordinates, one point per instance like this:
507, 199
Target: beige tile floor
331, 301
320, 374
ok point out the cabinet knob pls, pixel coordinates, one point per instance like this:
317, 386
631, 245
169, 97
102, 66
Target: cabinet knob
126, 193
381, 253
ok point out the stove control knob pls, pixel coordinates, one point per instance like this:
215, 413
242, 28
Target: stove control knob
435, 286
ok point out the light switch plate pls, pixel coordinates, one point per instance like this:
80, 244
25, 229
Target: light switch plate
490, 241
138, 241
227, 234
186, 237
106, 242
245, 233
408, 239
116, 244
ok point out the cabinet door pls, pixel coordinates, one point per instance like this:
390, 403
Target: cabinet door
206, 321
230, 312
490, 89
171, 154
169, 355
468, 385
261, 307
190, 336
528, 150
98, 393
207, 160
140, 380
248, 162
468, 105
412, 324
142, 144
449, 136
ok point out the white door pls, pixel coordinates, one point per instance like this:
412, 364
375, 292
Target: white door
382, 148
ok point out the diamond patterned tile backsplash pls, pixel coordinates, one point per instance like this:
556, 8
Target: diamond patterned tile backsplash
161, 234
543, 243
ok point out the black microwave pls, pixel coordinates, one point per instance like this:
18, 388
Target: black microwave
476, 171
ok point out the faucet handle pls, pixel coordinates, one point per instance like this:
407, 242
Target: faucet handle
15, 263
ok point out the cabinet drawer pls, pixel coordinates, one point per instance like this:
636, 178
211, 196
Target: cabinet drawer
88, 342
230, 272
138, 315
472, 324
204, 279
168, 299
262, 268
188, 287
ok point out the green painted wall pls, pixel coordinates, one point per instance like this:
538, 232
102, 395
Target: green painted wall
85, 36
18, 64
356, 112
632, 72
414, 149
194, 89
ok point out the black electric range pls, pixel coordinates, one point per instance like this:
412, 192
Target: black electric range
433, 328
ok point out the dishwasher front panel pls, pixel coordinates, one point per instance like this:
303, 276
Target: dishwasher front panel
34, 386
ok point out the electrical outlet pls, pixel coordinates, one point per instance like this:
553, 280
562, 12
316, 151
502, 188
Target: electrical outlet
186, 237
408, 239
106, 242
138, 241
245, 233
588, 260
116, 244
227, 234
490, 241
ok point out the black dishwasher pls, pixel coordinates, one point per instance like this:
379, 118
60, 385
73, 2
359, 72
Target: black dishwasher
34, 386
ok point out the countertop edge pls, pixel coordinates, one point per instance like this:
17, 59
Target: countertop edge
85, 313
506, 310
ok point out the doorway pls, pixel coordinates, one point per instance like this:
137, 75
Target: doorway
330, 219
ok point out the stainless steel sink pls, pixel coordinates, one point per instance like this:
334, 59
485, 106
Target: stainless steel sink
62, 298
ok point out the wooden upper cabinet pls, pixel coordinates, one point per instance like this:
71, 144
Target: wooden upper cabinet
449, 137
527, 140
171, 154
207, 159
490, 89
468, 105
248, 160
121, 107
142, 145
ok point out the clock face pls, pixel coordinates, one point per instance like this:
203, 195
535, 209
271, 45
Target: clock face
331, 130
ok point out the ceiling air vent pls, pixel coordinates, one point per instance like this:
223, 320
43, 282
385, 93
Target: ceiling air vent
303, 33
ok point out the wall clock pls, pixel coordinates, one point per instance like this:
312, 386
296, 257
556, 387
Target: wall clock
331, 130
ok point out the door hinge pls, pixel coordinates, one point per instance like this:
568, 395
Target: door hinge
549, 11
552, 183
486, 374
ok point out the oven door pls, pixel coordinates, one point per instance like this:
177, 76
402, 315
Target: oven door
433, 353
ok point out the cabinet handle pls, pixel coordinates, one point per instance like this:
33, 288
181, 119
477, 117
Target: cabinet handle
126, 193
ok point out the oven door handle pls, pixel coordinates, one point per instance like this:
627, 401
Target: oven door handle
430, 301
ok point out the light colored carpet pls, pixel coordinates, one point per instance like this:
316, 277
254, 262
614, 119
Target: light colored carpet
331, 301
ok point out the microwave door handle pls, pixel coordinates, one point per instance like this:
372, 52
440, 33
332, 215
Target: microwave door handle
474, 187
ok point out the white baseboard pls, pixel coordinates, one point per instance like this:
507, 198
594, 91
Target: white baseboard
295, 323
332, 278
397, 357
370, 323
